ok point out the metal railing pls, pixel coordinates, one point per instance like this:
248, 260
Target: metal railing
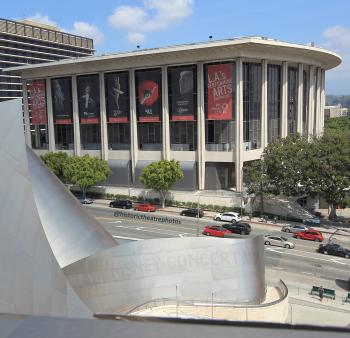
35, 32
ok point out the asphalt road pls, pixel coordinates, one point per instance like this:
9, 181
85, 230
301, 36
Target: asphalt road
303, 260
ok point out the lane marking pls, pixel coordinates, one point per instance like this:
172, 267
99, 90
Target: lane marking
337, 261
129, 238
114, 222
307, 273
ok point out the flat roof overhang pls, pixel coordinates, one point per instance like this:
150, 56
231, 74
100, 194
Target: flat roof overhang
254, 48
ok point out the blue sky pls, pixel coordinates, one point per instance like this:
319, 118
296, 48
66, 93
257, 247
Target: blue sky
121, 25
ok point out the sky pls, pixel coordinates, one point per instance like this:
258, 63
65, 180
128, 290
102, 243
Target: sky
122, 25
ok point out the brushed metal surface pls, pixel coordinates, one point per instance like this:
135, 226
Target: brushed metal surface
125, 276
72, 233
31, 281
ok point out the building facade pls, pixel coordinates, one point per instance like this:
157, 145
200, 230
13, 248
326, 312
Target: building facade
212, 106
27, 42
335, 111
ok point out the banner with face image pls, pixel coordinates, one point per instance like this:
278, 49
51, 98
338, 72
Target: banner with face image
219, 85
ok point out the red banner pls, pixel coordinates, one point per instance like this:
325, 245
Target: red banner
220, 92
37, 102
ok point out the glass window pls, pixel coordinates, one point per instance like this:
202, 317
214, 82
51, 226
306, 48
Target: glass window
219, 104
62, 112
305, 102
292, 99
89, 111
273, 102
149, 108
182, 90
38, 114
118, 110
251, 105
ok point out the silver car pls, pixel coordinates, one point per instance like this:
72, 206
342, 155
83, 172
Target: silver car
294, 228
278, 241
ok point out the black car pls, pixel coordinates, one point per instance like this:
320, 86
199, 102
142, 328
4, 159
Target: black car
192, 212
334, 250
238, 228
123, 204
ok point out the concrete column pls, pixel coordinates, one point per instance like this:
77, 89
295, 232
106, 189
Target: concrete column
27, 133
284, 105
133, 124
239, 125
165, 115
103, 118
50, 121
200, 126
264, 114
318, 103
300, 99
310, 116
323, 100
76, 124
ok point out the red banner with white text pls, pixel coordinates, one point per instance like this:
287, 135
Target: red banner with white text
220, 91
37, 102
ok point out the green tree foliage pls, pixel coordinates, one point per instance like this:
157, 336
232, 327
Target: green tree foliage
338, 124
257, 181
161, 176
85, 171
55, 161
294, 166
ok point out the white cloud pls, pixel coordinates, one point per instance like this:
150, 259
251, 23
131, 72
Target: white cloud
154, 15
337, 39
135, 38
38, 17
87, 30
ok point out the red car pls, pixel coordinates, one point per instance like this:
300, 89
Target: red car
216, 230
310, 235
145, 207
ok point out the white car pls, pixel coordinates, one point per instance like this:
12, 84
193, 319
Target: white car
278, 241
228, 217
294, 228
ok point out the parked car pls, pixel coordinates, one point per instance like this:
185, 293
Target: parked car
193, 212
278, 241
334, 250
85, 200
228, 217
145, 207
215, 230
294, 228
312, 221
238, 228
123, 204
310, 235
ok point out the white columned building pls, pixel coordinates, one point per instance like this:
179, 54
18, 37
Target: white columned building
212, 106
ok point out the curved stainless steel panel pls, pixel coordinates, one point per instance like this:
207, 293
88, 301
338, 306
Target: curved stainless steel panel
72, 233
31, 281
125, 276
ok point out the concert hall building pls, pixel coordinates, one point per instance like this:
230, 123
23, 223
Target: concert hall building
212, 106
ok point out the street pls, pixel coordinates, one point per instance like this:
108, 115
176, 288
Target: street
303, 260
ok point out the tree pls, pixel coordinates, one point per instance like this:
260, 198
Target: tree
55, 161
294, 166
85, 171
256, 181
160, 176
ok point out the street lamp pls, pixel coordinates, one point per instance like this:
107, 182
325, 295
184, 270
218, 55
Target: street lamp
199, 196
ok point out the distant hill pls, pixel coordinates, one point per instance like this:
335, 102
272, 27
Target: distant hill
332, 100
